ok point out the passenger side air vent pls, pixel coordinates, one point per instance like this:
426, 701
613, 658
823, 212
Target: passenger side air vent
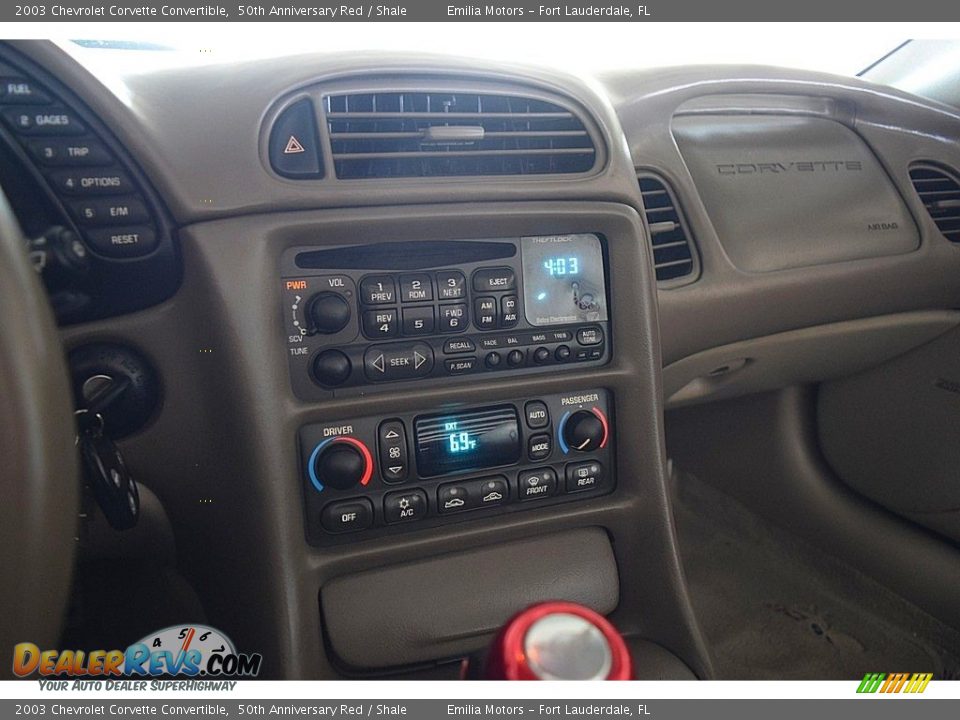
673, 254
939, 192
446, 134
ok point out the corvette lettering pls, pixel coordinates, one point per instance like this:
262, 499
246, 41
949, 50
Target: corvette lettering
780, 168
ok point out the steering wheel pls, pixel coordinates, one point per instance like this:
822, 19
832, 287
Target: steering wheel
39, 489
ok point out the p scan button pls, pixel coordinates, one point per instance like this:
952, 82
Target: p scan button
347, 516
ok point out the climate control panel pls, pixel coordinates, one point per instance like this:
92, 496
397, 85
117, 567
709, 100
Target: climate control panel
368, 315
371, 476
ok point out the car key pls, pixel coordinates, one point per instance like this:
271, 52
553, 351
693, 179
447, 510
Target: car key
113, 486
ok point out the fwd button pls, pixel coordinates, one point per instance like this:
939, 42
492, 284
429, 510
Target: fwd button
383, 363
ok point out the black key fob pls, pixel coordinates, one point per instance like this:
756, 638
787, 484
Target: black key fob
113, 486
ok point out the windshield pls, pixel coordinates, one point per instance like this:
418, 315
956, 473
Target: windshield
574, 47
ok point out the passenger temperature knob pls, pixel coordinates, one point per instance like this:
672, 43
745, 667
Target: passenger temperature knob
329, 312
341, 463
584, 430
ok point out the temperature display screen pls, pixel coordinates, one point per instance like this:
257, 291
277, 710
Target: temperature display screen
456, 442
563, 279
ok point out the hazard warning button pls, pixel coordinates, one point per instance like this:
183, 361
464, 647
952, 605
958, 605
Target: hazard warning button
294, 147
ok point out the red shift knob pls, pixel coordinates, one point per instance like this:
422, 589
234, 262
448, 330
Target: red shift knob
559, 641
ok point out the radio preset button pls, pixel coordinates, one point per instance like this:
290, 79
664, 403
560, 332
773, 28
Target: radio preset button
485, 313
453, 318
378, 290
460, 366
392, 444
536, 484
460, 345
405, 506
584, 476
380, 324
539, 447
494, 280
538, 416
397, 362
347, 516
418, 320
416, 288
508, 311
590, 336
451, 285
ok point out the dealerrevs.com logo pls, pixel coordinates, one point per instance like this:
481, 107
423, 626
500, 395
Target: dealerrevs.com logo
179, 650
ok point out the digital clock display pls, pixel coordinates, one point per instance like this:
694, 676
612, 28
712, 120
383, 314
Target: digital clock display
450, 443
563, 281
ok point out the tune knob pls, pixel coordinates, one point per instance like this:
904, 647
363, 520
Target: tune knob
340, 463
329, 312
584, 430
331, 368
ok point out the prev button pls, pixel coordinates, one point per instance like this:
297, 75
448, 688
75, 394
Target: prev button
397, 362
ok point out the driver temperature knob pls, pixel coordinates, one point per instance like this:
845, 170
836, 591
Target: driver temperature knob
341, 463
328, 312
584, 431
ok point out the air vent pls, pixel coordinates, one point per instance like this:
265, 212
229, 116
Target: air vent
939, 192
426, 134
673, 256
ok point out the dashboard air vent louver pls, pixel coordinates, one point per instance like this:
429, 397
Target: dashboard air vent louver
438, 134
673, 255
939, 191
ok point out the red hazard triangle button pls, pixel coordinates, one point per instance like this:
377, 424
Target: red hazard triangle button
293, 146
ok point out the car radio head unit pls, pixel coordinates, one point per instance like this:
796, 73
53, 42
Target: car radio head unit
363, 316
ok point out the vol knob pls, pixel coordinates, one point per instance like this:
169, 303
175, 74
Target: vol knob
342, 464
328, 312
584, 431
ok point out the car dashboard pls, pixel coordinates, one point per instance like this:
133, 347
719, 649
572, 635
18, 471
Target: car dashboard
403, 332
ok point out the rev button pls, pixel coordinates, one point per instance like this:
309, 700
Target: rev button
382, 363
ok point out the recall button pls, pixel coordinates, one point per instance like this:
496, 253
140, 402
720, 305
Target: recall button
382, 363
536, 484
123, 242
460, 345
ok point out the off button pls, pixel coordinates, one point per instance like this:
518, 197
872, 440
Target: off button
347, 516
